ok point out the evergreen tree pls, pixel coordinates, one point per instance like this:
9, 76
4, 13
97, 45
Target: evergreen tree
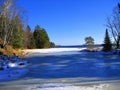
32, 42
17, 38
107, 46
28, 41
45, 43
37, 36
27, 37
41, 38
52, 44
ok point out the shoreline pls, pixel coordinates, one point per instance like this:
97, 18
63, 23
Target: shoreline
50, 50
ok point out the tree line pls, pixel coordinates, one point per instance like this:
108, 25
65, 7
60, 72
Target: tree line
37, 39
15, 32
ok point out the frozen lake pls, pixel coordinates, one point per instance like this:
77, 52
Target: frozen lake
69, 71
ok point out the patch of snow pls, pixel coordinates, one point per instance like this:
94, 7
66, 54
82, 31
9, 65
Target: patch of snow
52, 50
57, 86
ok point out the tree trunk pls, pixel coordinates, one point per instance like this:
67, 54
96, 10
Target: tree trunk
118, 43
1, 46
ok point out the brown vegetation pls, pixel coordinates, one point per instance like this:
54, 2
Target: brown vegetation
9, 51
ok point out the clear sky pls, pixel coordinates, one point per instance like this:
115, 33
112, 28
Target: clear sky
68, 22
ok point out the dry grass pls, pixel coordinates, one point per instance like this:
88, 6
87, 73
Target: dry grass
9, 51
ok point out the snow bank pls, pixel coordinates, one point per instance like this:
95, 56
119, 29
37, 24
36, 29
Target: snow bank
56, 86
52, 50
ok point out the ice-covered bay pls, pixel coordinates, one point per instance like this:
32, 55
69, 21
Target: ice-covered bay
69, 70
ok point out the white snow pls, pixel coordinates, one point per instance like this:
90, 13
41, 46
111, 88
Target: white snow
56, 86
52, 50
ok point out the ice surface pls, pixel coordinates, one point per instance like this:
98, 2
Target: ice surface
6, 75
12, 67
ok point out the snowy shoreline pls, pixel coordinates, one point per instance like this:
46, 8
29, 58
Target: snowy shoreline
28, 52
51, 50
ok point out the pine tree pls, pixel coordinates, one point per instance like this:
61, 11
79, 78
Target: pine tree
41, 38
36, 35
107, 46
17, 38
52, 44
32, 42
45, 39
27, 37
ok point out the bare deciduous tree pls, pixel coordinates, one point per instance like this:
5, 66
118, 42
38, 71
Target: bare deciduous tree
113, 23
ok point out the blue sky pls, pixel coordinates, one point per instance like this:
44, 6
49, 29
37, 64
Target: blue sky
68, 22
